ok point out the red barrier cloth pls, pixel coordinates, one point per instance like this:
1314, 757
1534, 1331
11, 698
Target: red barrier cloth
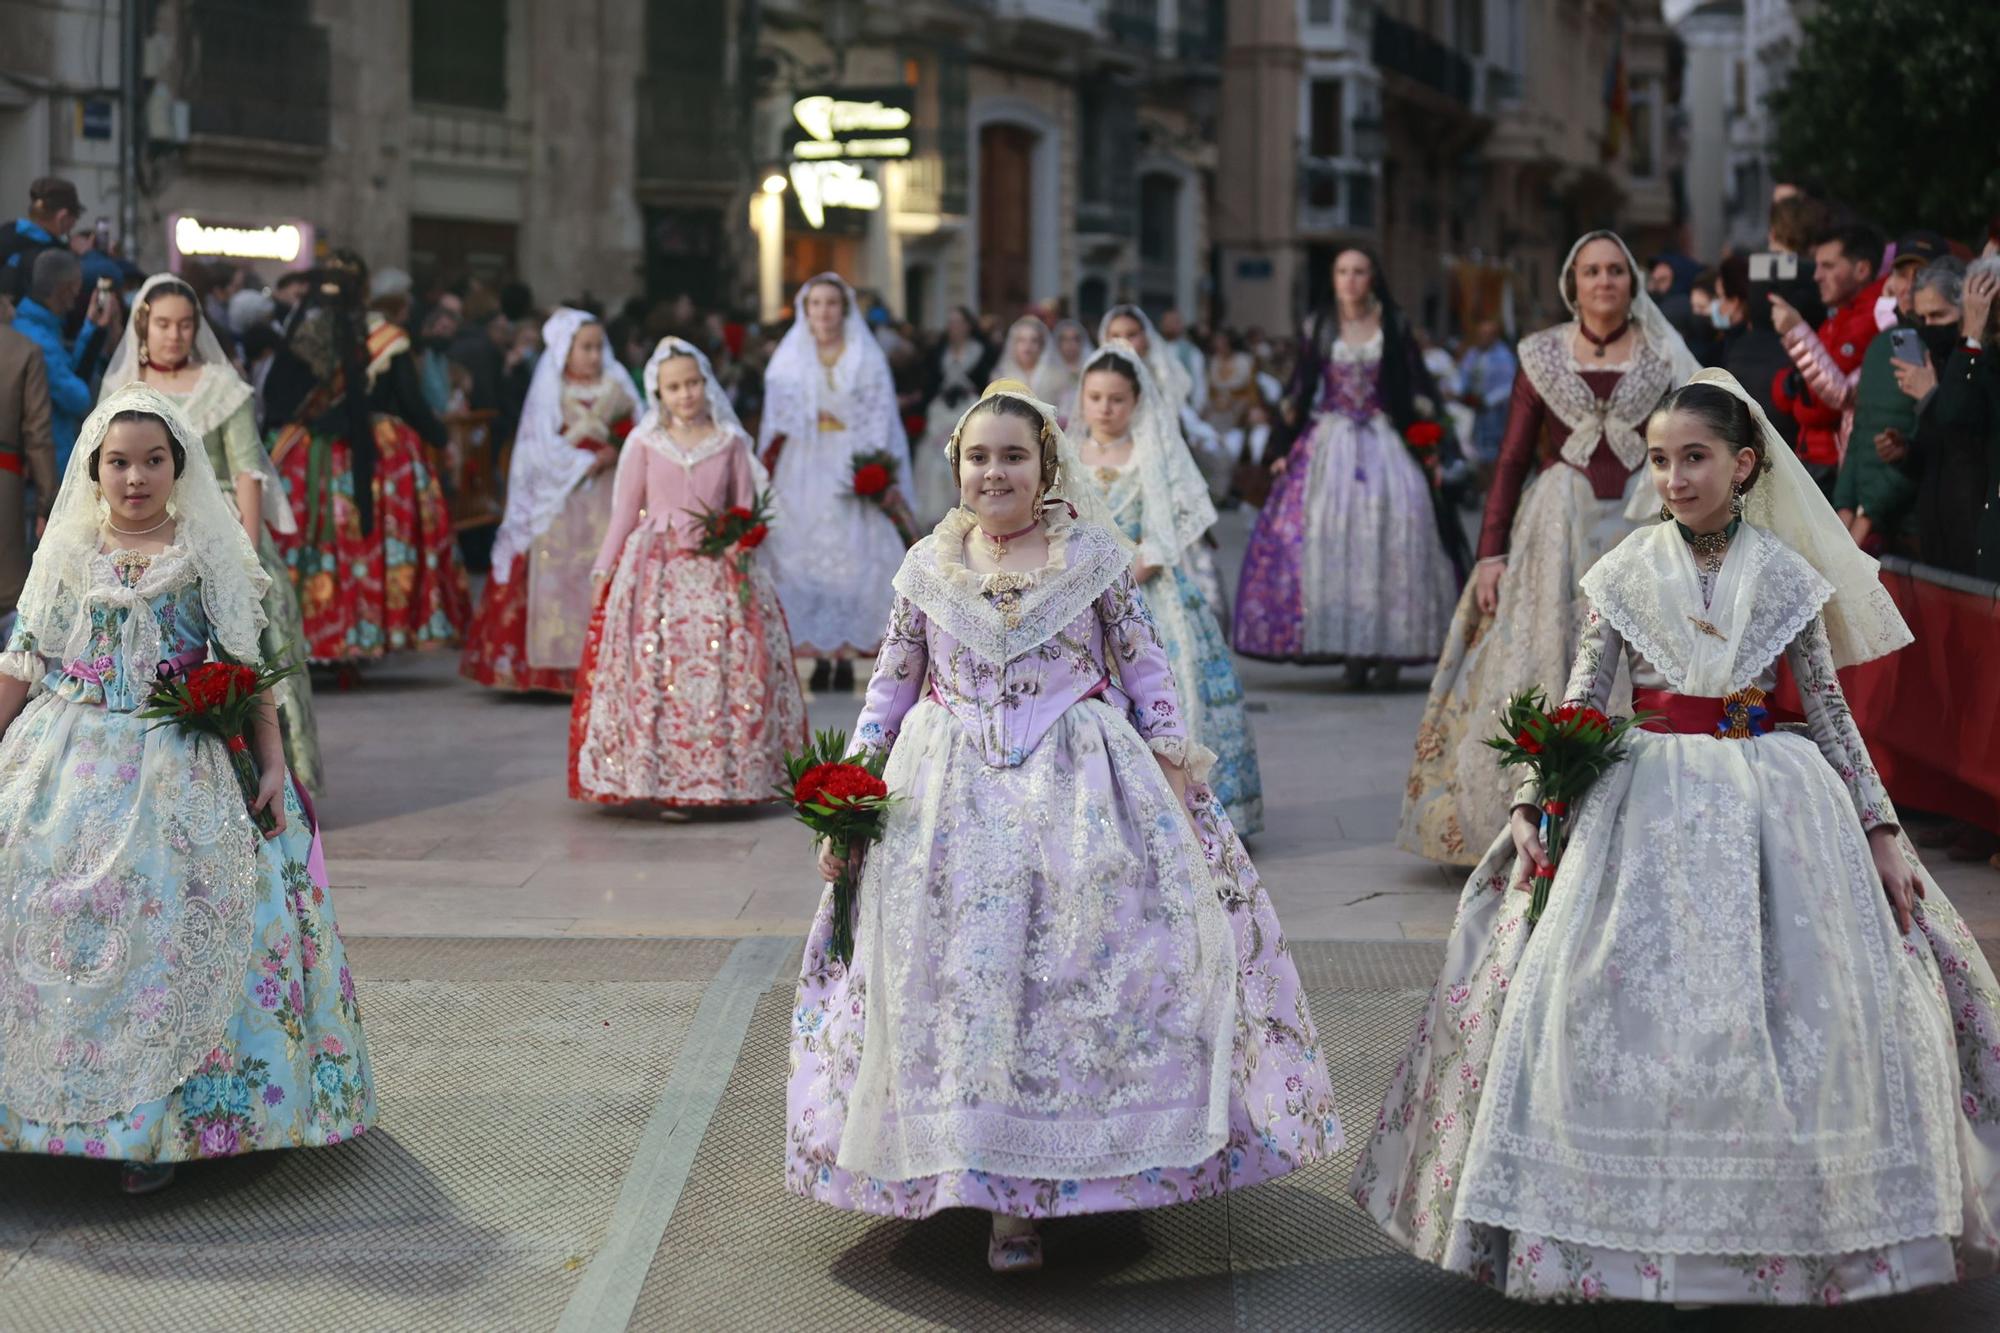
1931, 712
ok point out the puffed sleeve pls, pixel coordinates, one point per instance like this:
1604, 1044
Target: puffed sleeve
1832, 725
901, 669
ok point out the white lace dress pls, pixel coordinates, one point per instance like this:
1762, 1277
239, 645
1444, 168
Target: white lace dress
1714, 1072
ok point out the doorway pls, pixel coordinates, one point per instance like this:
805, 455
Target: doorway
1006, 211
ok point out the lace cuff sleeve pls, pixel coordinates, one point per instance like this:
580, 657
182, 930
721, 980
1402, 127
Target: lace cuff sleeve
19, 658
1832, 725
901, 669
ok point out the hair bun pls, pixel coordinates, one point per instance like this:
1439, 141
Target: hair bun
1007, 386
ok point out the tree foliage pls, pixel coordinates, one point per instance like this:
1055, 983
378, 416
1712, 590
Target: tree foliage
1895, 105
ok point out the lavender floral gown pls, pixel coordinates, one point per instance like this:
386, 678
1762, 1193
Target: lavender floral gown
172, 985
1713, 1072
1345, 560
1069, 993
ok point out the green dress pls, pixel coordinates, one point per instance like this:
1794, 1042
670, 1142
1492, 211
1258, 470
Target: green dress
220, 408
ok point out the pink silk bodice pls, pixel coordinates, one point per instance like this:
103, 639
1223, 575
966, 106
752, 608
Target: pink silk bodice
665, 490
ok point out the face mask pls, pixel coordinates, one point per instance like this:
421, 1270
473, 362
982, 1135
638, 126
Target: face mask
1718, 316
1938, 340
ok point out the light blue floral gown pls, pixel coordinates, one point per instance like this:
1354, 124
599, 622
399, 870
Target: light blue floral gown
172, 985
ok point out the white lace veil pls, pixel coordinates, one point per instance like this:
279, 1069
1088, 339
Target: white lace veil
794, 379
1071, 486
1177, 508
1665, 339
54, 606
1045, 380
651, 431
217, 395
1168, 372
1862, 622
546, 467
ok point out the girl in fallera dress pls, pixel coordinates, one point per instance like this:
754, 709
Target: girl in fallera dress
529, 632
1584, 390
829, 396
174, 986
1069, 993
1750, 1054
1070, 347
1028, 356
1348, 560
169, 346
372, 552
1134, 460
688, 695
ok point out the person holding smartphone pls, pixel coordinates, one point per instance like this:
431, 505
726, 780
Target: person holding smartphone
1874, 493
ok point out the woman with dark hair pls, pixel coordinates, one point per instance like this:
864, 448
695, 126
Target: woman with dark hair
1353, 559
1569, 463
958, 369
373, 554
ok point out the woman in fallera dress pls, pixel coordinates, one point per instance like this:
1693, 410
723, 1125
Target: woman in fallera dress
1028, 356
169, 346
529, 632
1348, 561
174, 985
1070, 347
829, 396
1585, 388
1134, 461
1069, 993
1749, 1053
688, 695
373, 552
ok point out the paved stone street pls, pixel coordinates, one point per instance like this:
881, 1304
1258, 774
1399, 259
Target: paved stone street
579, 1023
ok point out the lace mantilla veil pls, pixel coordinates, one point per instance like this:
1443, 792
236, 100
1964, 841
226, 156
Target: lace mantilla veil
793, 378
1178, 509
217, 395
545, 467
651, 430
54, 606
1070, 488
1862, 622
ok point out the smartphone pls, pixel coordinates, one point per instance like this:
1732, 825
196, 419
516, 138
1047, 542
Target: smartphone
1773, 266
1906, 346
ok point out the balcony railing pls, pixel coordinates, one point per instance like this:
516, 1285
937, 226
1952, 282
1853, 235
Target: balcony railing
231, 86
449, 133
1400, 48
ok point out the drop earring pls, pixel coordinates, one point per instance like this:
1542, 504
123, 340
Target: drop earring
1666, 514
1736, 499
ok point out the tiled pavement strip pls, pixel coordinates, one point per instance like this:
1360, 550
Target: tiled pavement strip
587, 1134
583, 1106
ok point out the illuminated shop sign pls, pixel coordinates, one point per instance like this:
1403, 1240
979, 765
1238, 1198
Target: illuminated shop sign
282, 242
854, 124
819, 186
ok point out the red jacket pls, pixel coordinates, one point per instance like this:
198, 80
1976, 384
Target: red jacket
1819, 396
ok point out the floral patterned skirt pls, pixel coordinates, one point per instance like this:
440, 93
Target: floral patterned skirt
688, 695
1457, 793
1211, 693
1279, 1100
496, 647
367, 594
1345, 560
289, 1068
1490, 1041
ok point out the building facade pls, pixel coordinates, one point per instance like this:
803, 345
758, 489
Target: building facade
1466, 142
1059, 151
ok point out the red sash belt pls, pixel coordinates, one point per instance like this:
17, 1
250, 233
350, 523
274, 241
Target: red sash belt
10, 461
1741, 716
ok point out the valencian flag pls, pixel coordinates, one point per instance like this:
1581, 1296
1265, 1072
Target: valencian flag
1617, 93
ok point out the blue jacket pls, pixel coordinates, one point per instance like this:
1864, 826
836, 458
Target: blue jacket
69, 392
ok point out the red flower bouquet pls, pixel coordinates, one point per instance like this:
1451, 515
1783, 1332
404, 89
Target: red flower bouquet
733, 534
875, 484
1567, 750
219, 699
841, 797
1423, 435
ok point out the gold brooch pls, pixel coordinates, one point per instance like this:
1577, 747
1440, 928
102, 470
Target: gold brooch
1708, 629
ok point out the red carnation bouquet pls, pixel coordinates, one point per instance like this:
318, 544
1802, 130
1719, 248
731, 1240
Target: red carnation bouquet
875, 484
1423, 435
1567, 749
219, 699
734, 534
841, 797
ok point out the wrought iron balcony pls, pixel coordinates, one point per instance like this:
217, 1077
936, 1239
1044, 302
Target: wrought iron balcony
1401, 48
